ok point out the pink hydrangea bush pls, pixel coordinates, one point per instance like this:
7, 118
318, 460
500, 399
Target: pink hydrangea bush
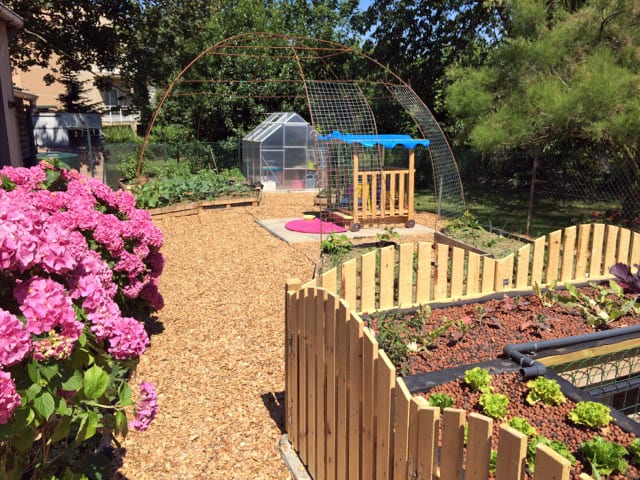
79, 269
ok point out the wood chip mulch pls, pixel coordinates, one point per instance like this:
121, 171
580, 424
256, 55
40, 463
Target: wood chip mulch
216, 354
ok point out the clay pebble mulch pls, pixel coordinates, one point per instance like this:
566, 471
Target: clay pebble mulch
216, 355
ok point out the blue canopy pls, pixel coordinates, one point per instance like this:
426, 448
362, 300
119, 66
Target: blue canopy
387, 140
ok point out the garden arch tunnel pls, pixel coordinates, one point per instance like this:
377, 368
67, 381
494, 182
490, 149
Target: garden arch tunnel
271, 72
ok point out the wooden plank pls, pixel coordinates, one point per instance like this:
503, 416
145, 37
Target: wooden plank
553, 256
504, 274
568, 253
392, 195
537, 262
427, 442
348, 283
355, 390
401, 431
441, 273
478, 447
584, 234
321, 405
522, 275
610, 248
293, 392
369, 359
304, 379
405, 275
375, 206
413, 452
402, 201
411, 182
365, 202
368, 282
331, 307
635, 249
190, 208
473, 273
457, 272
452, 443
329, 281
387, 260
623, 245
385, 390
423, 276
595, 257
550, 465
488, 275
590, 352
310, 341
512, 448
342, 372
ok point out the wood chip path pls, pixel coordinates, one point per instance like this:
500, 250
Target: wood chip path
216, 355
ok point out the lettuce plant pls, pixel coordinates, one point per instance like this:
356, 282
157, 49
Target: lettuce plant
545, 390
605, 457
590, 414
523, 426
478, 379
79, 268
440, 400
556, 445
495, 405
608, 305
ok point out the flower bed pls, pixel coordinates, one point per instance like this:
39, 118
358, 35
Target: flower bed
460, 336
79, 267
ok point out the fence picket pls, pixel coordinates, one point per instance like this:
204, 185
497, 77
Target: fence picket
387, 261
550, 465
385, 391
405, 275
635, 249
293, 394
331, 306
611, 247
423, 275
553, 256
412, 458
355, 390
478, 447
488, 275
368, 282
623, 245
504, 274
457, 272
441, 273
473, 273
348, 283
595, 257
512, 446
427, 442
522, 275
401, 431
568, 253
329, 281
319, 364
452, 442
369, 359
342, 372
310, 407
537, 261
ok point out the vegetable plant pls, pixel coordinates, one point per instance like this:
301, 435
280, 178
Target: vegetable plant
608, 306
441, 400
394, 338
556, 445
634, 450
389, 236
605, 457
590, 414
545, 390
628, 281
523, 426
495, 405
548, 297
336, 244
478, 379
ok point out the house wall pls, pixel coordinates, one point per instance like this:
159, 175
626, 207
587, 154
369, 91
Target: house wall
10, 153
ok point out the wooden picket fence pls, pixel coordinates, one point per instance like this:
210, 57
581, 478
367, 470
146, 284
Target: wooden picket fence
347, 414
350, 418
410, 275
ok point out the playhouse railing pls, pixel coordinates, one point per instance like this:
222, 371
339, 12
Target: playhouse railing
383, 195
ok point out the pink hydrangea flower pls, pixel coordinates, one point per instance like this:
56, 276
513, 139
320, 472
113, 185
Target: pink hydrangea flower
127, 339
45, 304
147, 407
15, 341
9, 398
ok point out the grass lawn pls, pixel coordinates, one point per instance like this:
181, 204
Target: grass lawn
508, 211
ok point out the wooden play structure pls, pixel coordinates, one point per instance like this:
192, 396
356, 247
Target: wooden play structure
359, 190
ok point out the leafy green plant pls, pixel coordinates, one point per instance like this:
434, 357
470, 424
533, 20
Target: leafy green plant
556, 445
441, 400
545, 390
523, 426
590, 414
466, 223
388, 236
548, 297
493, 461
419, 318
608, 305
605, 457
628, 281
478, 379
495, 405
336, 244
634, 451
394, 339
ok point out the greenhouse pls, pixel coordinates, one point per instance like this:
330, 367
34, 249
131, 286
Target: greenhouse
281, 153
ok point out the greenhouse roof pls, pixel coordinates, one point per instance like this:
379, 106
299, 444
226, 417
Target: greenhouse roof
272, 123
387, 140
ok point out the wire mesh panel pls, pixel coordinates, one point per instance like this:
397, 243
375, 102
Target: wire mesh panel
342, 106
448, 184
613, 379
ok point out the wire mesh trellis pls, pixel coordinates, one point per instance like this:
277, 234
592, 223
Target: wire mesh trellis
286, 73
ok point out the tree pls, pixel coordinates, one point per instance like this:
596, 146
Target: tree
566, 73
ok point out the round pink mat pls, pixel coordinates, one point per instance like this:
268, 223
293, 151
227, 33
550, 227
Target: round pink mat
313, 226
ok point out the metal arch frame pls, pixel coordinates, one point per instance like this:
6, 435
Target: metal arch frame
292, 44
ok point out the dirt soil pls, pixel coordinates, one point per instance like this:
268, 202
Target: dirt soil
490, 326
216, 353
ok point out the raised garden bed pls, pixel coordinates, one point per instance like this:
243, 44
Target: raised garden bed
193, 208
433, 349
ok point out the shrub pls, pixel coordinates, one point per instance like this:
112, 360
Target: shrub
545, 390
79, 266
605, 457
590, 414
477, 378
